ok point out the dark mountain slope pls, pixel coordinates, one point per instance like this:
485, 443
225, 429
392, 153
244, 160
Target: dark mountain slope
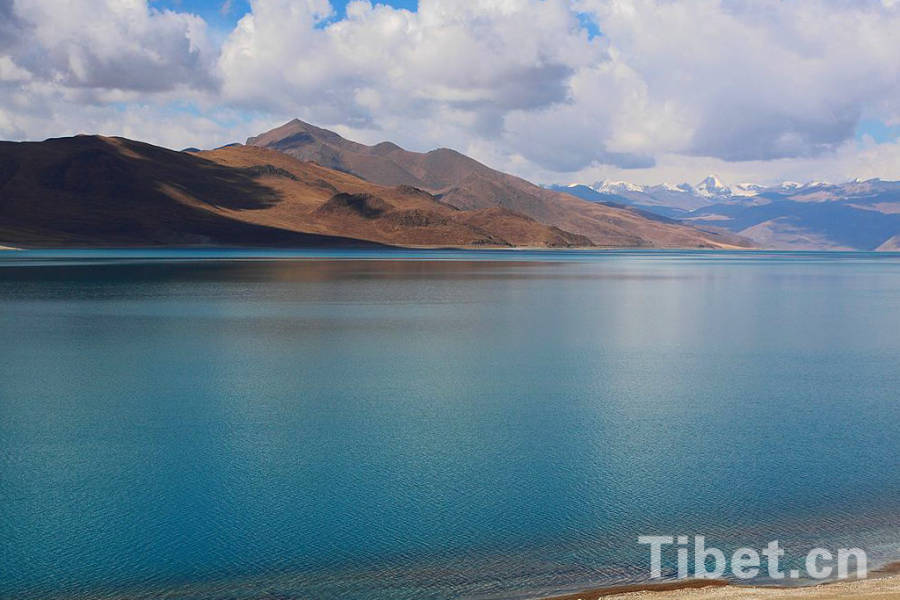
96, 191
91, 190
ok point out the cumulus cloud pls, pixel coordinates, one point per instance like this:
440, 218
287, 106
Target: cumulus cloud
523, 73
521, 84
849, 160
759, 80
483, 57
738, 81
92, 65
113, 44
473, 70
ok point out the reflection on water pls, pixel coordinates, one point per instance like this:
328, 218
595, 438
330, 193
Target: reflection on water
434, 425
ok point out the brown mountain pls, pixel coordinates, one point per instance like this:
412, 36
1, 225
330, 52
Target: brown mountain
464, 183
316, 199
91, 190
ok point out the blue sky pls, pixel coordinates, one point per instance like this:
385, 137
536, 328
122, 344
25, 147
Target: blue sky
878, 130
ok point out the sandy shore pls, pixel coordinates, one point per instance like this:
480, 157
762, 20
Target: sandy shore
881, 585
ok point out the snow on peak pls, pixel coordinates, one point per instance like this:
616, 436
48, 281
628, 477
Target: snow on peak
608, 186
746, 189
712, 186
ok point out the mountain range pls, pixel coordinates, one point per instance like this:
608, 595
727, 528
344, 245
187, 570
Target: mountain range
855, 215
463, 183
299, 185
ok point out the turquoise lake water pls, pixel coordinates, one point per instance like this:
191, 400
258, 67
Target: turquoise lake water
429, 425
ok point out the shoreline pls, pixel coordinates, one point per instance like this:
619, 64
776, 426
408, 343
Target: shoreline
882, 583
382, 247
366, 245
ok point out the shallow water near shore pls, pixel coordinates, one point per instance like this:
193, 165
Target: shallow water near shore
420, 425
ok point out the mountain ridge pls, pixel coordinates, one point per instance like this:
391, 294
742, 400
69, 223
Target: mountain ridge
855, 215
101, 191
466, 184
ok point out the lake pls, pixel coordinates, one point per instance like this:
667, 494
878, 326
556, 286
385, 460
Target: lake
211, 424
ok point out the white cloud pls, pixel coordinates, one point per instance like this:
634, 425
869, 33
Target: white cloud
763, 79
764, 88
737, 81
864, 159
98, 66
113, 44
474, 62
11, 72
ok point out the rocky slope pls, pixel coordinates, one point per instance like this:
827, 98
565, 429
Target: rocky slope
461, 182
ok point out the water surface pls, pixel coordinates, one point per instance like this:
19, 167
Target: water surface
430, 425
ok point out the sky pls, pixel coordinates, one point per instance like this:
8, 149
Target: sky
557, 91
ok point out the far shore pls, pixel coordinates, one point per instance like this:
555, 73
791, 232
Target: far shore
882, 584
364, 245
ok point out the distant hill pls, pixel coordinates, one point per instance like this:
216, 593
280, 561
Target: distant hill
614, 200
461, 182
667, 200
101, 191
857, 215
98, 191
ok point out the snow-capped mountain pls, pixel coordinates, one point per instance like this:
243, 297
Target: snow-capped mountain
608, 186
668, 187
747, 190
671, 200
858, 214
712, 187
710, 190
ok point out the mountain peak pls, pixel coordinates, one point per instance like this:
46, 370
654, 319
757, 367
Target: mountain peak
465, 184
608, 186
295, 129
711, 181
712, 186
299, 124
